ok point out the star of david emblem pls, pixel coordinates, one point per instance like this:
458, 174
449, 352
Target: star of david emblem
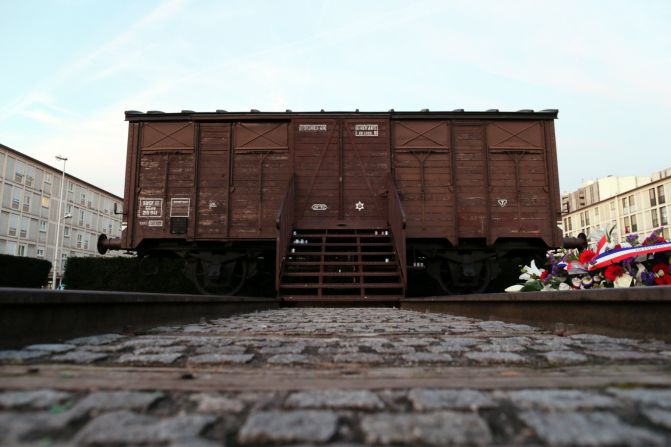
359, 205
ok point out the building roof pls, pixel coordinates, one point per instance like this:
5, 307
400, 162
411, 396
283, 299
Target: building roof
51, 168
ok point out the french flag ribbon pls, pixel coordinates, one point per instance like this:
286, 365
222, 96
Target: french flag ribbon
601, 244
620, 254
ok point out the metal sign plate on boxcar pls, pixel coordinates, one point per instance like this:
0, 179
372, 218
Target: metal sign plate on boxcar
150, 208
312, 127
366, 130
179, 206
319, 207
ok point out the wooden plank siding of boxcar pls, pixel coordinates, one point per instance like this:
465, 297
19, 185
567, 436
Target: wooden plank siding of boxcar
165, 171
261, 170
213, 180
424, 176
520, 185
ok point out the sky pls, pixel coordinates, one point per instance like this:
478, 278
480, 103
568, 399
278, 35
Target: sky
70, 68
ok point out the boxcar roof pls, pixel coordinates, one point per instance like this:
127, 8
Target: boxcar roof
157, 115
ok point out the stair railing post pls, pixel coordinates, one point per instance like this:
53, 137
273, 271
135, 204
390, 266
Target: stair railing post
284, 222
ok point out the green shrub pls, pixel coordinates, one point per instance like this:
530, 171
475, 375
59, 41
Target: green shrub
19, 271
127, 274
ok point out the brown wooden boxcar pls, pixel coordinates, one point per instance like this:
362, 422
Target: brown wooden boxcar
341, 205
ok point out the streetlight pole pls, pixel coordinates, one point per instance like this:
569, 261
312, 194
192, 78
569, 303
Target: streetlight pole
58, 223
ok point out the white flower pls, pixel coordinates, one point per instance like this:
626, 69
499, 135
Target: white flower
515, 288
548, 288
564, 286
623, 281
531, 271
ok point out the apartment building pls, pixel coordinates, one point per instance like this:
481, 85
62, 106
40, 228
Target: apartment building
30, 192
640, 208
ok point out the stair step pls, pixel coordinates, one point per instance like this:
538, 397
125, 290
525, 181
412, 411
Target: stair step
344, 253
381, 285
342, 274
343, 244
339, 236
341, 298
390, 264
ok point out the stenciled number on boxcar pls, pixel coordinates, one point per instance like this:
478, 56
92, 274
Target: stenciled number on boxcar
150, 208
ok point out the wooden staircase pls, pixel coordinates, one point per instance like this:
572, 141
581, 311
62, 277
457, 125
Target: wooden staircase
341, 265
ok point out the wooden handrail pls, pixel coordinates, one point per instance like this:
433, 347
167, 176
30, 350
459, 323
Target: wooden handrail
397, 224
284, 221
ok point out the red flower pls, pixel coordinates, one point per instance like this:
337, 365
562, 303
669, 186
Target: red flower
661, 266
617, 246
663, 280
613, 272
544, 275
586, 256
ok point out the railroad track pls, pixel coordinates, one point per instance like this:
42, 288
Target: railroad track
33, 316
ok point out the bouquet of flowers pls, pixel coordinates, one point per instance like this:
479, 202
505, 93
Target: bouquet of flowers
631, 263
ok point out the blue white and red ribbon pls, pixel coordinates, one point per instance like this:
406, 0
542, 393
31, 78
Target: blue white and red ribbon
620, 254
602, 243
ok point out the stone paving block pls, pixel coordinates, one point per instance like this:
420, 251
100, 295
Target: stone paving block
358, 357
553, 399
588, 429
564, 357
213, 403
510, 344
19, 356
53, 347
32, 398
95, 340
441, 428
419, 341
116, 400
221, 350
338, 349
213, 359
150, 341
659, 417
427, 357
296, 348
495, 357
643, 396
288, 426
177, 349
626, 355
335, 399
440, 399
456, 344
289, 359
16, 426
145, 359
80, 357
125, 427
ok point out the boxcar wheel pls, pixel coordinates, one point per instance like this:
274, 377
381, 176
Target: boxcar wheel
213, 277
453, 282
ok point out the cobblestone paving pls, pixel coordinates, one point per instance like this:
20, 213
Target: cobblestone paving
341, 410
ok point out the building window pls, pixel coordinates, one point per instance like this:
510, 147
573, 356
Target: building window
596, 214
655, 220
632, 203
663, 216
653, 197
79, 240
660, 194
16, 198
13, 225
81, 218
68, 208
625, 205
627, 225
587, 218
40, 252
11, 248
71, 186
634, 226
82, 198
66, 231
18, 171
25, 222
23, 249
43, 226
45, 202
26, 202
